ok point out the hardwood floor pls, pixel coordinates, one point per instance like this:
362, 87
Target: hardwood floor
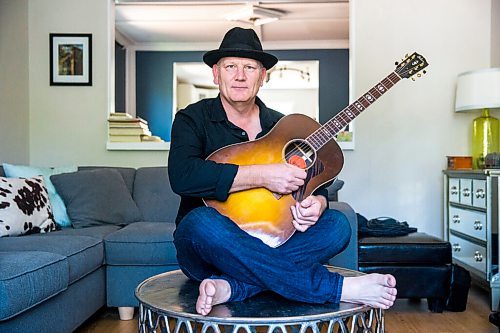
405, 317
408, 317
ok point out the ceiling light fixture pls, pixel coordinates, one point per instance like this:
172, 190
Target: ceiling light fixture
288, 73
254, 15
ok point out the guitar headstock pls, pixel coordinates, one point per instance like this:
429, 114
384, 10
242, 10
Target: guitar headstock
411, 65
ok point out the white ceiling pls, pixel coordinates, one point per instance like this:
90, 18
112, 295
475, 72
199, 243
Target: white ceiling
184, 22
200, 25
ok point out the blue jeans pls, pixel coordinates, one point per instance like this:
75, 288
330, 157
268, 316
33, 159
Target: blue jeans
210, 245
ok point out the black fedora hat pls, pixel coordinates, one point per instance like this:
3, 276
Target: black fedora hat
241, 43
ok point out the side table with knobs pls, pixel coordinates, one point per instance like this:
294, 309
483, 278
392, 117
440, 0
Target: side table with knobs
471, 220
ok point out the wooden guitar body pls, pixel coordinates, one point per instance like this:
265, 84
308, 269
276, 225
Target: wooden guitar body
260, 212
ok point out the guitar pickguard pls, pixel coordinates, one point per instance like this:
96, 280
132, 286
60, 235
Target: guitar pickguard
315, 170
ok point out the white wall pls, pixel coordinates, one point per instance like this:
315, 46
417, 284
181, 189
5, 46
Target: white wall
495, 33
288, 101
402, 141
14, 80
57, 125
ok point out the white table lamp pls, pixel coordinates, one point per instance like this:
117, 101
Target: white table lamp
480, 90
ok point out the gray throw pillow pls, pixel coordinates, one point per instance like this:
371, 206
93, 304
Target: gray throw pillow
96, 197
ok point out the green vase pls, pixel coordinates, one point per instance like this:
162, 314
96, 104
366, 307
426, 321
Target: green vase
485, 138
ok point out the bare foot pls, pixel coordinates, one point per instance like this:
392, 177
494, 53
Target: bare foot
375, 290
212, 292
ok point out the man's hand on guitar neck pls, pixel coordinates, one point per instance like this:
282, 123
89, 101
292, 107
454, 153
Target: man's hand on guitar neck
280, 178
307, 212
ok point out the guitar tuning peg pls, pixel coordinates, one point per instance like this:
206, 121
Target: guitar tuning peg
425, 72
413, 79
419, 75
396, 63
406, 55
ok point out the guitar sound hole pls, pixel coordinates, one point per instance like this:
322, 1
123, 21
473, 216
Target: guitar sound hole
299, 152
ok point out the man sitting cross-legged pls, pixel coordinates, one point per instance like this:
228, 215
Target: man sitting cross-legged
231, 264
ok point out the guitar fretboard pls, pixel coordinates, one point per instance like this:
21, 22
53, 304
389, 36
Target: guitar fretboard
331, 128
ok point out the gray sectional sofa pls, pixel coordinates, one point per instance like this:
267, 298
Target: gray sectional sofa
53, 282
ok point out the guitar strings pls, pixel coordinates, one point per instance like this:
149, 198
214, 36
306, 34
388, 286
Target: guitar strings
315, 140
343, 116
313, 137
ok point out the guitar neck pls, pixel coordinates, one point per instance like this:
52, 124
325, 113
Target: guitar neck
331, 128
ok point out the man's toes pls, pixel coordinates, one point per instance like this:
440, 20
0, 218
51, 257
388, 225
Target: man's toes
379, 305
389, 303
391, 281
384, 304
201, 305
208, 287
206, 297
390, 299
391, 291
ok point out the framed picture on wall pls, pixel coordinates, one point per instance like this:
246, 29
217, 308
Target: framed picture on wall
70, 59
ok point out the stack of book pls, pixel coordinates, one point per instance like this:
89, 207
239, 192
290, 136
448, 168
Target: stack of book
125, 128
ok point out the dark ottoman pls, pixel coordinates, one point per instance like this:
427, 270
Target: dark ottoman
420, 263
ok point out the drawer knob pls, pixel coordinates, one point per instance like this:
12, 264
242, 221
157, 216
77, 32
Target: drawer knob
455, 219
453, 190
478, 225
466, 192
456, 247
480, 194
478, 256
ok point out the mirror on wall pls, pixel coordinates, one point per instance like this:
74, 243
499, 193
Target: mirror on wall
164, 49
289, 87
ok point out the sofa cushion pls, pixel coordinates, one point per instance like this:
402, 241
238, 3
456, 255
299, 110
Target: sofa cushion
154, 196
122, 280
98, 232
84, 254
24, 207
128, 174
96, 197
58, 208
28, 278
141, 243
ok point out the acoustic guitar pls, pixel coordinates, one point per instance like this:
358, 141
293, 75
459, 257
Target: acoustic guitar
299, 140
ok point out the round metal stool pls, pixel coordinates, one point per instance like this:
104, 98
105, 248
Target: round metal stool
168, 300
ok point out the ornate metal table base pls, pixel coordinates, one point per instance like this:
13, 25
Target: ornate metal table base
167, 305
369, 321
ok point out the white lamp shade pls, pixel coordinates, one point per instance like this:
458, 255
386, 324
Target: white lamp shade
478, 89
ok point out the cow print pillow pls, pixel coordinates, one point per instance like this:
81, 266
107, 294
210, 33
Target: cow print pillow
24, 207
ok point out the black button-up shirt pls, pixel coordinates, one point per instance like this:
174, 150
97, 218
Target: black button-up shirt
197, 131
